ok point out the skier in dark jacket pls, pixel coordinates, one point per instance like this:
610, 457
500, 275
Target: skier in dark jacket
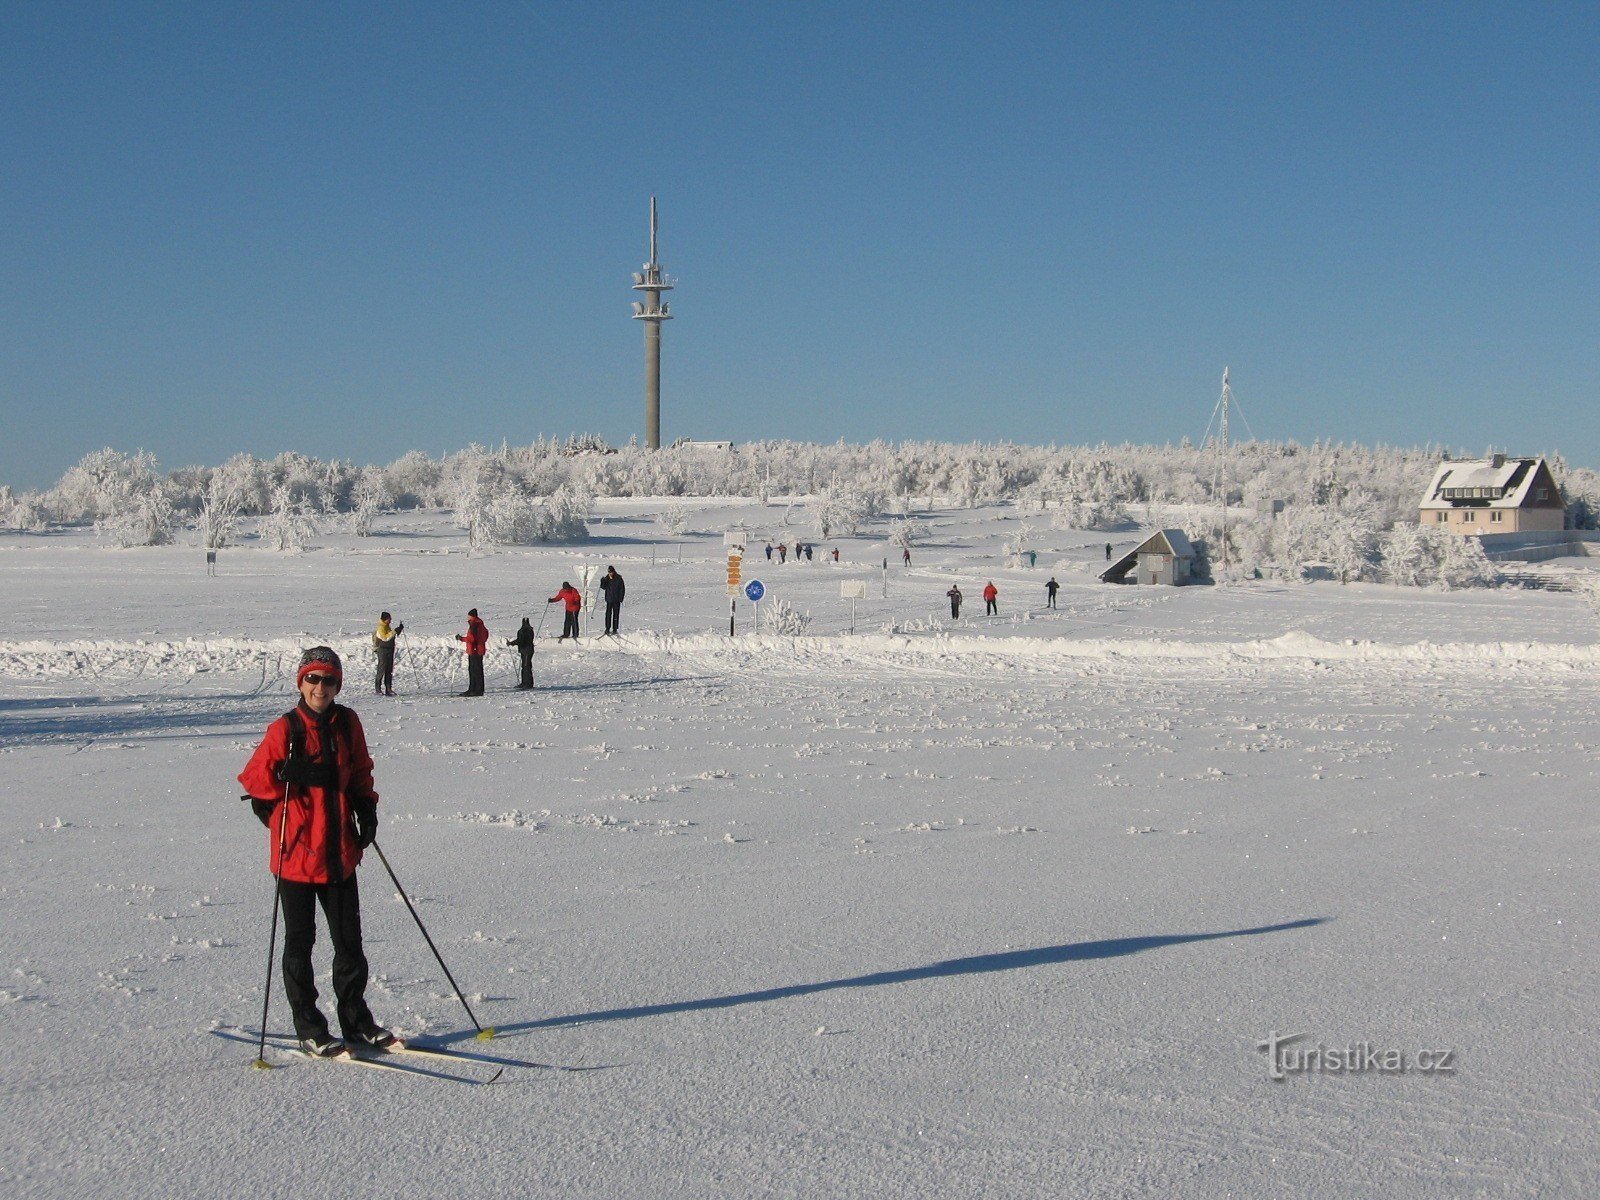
524, 644
955, 601
572, 601
310, 783
613, 589
476, 641
1050, 590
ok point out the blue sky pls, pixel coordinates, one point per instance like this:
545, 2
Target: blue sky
354, 230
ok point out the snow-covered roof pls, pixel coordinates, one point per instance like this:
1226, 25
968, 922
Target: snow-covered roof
1499, 482
1167, 541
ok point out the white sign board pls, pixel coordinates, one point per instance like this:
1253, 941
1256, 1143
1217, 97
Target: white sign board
852, 589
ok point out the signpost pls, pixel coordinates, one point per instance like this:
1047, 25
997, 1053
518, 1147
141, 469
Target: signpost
734, 542
852, 590
753, 591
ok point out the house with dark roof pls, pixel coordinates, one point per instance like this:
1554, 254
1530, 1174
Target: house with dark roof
1498, 494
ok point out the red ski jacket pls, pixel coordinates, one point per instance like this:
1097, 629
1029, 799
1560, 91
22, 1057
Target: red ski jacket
477, 636
570, 597
319, 838
990, 592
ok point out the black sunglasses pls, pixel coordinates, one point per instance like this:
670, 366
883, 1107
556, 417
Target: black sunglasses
314, 679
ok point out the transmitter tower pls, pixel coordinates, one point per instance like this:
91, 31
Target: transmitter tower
652, 281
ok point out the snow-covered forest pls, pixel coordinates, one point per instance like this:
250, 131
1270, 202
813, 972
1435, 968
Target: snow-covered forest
1347, 509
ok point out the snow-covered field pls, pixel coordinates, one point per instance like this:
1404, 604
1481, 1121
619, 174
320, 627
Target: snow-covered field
999, 908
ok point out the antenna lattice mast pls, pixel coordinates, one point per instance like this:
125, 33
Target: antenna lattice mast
1219, 467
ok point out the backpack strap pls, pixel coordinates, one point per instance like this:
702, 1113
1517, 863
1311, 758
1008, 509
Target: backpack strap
297, 732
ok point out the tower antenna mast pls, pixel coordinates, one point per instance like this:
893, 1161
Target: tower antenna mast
652, 281
1219, 462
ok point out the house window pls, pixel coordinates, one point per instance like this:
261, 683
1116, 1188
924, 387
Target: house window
1443, 515
1540, 493
1496, 517
1469, 517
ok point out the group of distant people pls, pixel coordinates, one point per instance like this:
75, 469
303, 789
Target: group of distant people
475, 641
803, 551
991, 598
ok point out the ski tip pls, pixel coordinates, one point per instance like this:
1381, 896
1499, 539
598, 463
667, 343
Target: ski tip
260, 1064
485, 1035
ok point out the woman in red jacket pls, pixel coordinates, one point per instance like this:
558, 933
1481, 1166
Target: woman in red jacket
476, 641
570, 597
990, 594
310, 782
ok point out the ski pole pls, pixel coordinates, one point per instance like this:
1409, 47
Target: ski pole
483, 1034
261, 1063
542, 616
416, 677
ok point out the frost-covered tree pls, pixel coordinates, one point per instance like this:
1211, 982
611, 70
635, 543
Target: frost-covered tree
144, 519
102, 483
841, 510
906, 532
674, 517
220, 507
366, 500
785, 618
291, 523
1417, 555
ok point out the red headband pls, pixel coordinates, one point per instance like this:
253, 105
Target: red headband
318, 668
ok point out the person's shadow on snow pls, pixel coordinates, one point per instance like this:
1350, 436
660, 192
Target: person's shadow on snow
978, 964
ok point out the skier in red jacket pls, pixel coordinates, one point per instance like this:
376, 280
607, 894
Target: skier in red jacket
310, 783
990, 594
476, 640
569, 596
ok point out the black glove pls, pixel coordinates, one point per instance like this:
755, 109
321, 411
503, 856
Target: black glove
399, 629
308, 772
262, 809
366, 812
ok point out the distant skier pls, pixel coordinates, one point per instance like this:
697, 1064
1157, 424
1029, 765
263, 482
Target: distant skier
990, 595
1050, 590
1108, 551
809, 549
476, 641
524, 644
310, 783
383, 646
769, 551
614, 589
905, 556
955, 602
836, 554
783, 552
569, 597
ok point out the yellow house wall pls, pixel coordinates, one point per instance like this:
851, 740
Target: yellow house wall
1471, 522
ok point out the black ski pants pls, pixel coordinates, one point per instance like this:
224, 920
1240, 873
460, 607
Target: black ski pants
383, 678
569, 627
474, 674
955, 609
613, 615
341, 910
527, 667
991, 608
